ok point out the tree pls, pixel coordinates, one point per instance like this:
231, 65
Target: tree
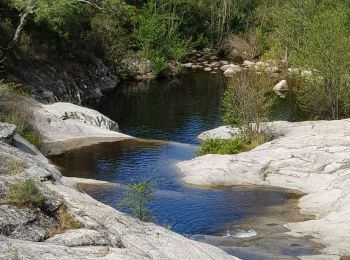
247, 102
2, 61
137, 197
55, 13
317, 36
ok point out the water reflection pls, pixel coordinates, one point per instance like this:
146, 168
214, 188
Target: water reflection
188, 210
176, 110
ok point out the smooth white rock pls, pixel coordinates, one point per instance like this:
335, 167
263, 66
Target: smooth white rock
223, 132
248, 63
312, 157
230, 67
280, 88
65, 126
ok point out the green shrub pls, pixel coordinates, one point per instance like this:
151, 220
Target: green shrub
218, 146
158, 37
25, 192
137, 197
159, 65
248, 101
231, 146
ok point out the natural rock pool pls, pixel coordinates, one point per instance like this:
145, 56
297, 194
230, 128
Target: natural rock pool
245, 221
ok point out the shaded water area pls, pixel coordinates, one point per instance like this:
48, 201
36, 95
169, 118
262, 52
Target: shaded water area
244, 221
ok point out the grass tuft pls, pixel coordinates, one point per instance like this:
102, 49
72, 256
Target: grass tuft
67, 221
26, 193
16, 167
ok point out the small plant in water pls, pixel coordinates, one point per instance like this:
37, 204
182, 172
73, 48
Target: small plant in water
25, 192
136, 199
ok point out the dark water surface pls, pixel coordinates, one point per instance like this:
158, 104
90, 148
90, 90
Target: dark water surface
172, 110
176, 112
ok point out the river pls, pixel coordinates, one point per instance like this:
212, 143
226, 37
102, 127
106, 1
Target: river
167, 116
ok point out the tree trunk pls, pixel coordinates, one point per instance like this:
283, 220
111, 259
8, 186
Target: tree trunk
19, 29
332, 93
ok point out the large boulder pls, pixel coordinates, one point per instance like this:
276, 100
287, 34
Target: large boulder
230, 70
65, 126
68, 111
139, 68
281, 88
31, 166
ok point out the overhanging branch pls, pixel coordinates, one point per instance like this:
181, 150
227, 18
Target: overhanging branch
96, 6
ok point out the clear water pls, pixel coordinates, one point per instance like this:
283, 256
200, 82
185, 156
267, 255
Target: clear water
175, 112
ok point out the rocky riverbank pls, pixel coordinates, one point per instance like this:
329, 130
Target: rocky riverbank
312, 157
28, 232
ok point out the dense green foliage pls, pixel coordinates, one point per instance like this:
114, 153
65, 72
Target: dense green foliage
248, 99
160, 30
316, 34
136, 199
218, 146
311, 35
231, 146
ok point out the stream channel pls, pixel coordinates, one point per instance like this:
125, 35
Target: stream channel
167, 116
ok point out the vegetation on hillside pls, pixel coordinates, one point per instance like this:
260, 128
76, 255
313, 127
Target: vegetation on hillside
159, 30
310, 35
14, 104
